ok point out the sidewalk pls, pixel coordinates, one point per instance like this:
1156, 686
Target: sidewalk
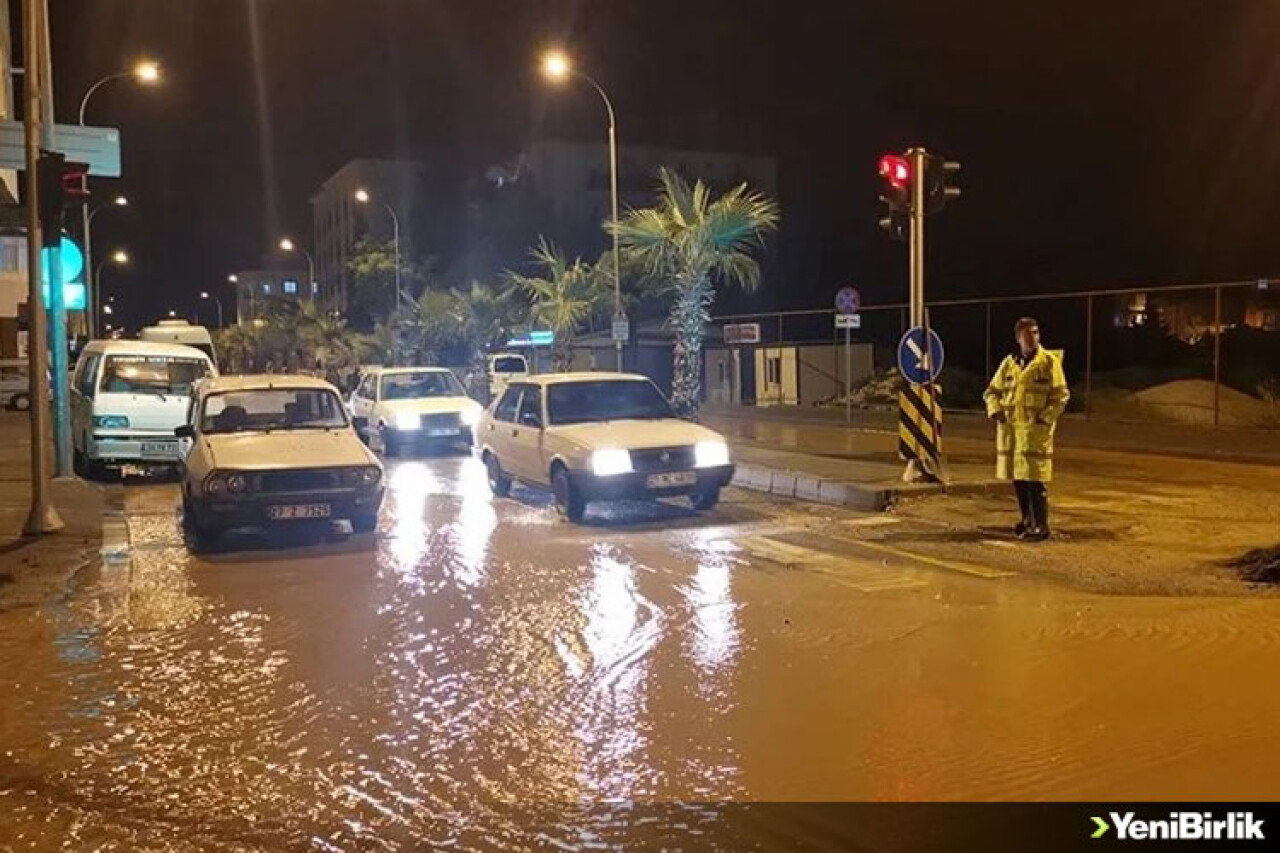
1227, 445
32, 570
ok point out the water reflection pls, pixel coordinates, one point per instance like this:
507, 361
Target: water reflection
408, 487
710, 596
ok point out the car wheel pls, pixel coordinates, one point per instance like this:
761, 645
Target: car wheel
499, 482
569, 502
390, 447
203, 537
705, 499
365, 522
20, 402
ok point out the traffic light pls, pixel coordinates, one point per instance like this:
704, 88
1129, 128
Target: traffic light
60, 185
895, 182
938, 190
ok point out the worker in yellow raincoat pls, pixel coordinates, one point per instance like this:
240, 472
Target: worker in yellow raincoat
1025, 398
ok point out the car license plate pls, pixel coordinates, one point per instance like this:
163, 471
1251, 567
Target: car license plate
671, 480
163, 449
281, 513
441, 432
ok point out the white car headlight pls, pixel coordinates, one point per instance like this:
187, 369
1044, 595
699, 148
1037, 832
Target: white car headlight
607, 463
408, 421
710, 454
470, 416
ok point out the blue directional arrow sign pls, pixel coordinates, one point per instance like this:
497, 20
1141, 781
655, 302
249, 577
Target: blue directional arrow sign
912, 361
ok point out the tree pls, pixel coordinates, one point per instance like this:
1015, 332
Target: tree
566, 295
688, 240
373, 282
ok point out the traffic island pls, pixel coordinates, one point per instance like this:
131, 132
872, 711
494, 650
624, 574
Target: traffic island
869, 483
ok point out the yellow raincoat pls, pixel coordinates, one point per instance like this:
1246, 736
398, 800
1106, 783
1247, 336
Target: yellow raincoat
1032, 399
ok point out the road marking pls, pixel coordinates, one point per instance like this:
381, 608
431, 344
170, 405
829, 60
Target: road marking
952, 565
842, 570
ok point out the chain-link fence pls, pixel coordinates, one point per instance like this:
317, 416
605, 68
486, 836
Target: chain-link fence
1206, 354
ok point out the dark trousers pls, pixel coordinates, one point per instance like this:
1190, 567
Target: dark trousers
1033, 502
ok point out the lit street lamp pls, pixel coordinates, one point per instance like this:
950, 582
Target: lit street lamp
120, 258
204, 294
147, 73
287, 245
557, 68
363, 197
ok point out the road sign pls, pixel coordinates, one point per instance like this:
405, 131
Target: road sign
742, 333
848, 301
912, 361
848, 321
97, 146
621, 329
72, 261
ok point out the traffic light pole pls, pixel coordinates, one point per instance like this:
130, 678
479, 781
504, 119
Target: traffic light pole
918, 156
42, 517
58, 366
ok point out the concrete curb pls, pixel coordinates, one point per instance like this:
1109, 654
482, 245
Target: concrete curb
866, 497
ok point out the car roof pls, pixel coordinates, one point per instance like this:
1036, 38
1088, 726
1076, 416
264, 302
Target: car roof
263, 382
563, 378
384, 371
131, 347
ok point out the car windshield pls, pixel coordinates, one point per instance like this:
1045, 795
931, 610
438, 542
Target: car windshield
136, 374
271, 409
588, 402
415, 386
510, 364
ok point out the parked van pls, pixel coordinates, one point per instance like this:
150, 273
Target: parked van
503, 368
127, 397
180, 332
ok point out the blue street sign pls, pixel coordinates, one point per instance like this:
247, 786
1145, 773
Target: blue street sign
848, 301
912, 363
72, 261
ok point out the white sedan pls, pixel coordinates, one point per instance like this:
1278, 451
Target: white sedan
271, 450
412, 406
597, 437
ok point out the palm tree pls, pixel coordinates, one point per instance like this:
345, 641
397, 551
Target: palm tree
564, 297
689, 241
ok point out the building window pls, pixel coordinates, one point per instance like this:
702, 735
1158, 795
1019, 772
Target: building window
266, 288
290, 287
315, 288
773, 370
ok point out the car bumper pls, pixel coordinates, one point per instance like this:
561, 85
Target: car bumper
257, 510
428, 436
638, 486
161, 449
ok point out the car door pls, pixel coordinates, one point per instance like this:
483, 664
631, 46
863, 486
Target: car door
362, 399
83, 390
500, 431
526, 440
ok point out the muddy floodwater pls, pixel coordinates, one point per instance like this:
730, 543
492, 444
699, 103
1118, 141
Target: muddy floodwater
478, 675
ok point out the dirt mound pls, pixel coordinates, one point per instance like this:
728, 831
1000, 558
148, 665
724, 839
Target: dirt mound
1261, 565
1190, 401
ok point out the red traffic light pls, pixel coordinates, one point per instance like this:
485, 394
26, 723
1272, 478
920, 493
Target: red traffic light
896, 171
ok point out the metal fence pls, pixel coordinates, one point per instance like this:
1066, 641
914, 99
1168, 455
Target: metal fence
1128, 351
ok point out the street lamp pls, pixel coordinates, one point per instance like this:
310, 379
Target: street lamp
363, 197
120, 258
147, 73
557, 67
287, 245
204, 294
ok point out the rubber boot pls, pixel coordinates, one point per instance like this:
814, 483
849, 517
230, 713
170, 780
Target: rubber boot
1039, 530
1025, 522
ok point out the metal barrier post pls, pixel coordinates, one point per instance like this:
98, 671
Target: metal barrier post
1088, 355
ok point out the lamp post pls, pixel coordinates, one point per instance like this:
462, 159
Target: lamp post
287, 245
204, 294
363, 197
557, 68
147, 73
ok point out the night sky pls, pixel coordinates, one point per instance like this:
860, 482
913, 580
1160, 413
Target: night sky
1102, 142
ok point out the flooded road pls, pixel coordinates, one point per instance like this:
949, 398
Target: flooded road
477, 674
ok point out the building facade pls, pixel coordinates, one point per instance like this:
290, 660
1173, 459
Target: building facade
340, 220
257, 290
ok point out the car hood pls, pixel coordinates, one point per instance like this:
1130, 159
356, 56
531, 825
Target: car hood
265, 451
636, 435
427, 406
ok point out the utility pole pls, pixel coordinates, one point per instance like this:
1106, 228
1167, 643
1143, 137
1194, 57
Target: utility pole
57, 294
43, 517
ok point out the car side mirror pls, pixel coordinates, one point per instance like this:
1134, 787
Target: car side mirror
185, 431
360, 423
